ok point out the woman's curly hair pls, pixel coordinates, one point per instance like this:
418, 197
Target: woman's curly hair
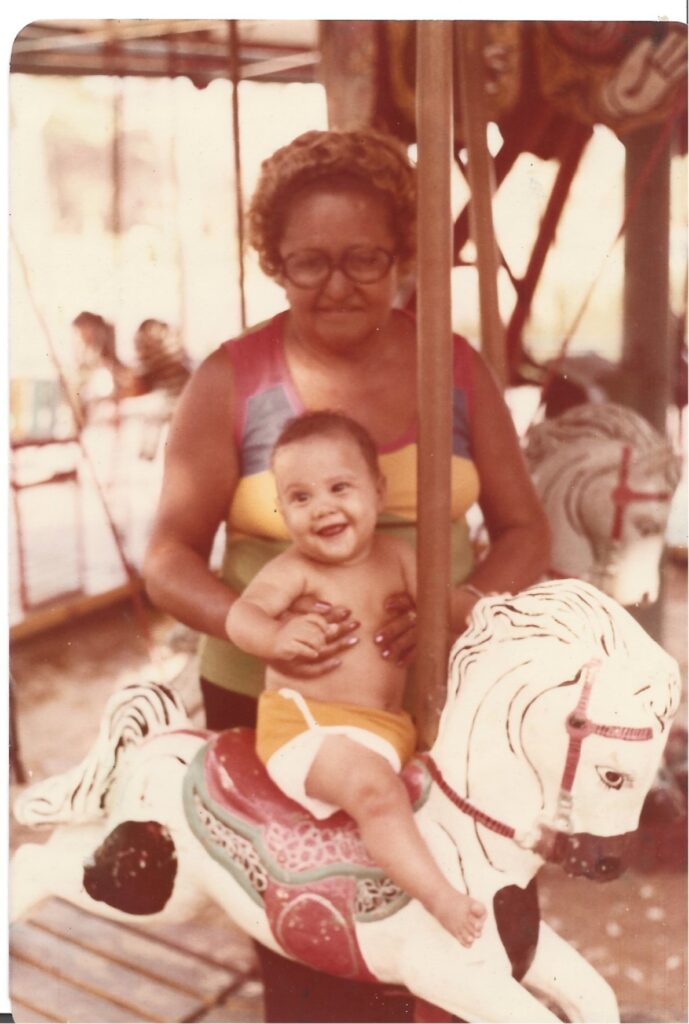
363, 157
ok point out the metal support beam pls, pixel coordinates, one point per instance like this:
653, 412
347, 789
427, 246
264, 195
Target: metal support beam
233, 44
570, 158
482, 184
434, 135
647, 357
646, 354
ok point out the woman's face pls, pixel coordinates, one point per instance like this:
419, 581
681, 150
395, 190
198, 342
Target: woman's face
339, 314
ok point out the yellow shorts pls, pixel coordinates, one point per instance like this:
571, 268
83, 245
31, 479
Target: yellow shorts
290, 730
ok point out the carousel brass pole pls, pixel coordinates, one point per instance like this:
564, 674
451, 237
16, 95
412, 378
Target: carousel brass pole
235, 74
434, 136
648, 358
481, 182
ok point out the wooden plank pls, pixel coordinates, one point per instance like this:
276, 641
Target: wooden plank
238, 1009
152, 1000
40, 990
210, 935
68, 475
160, 961
23, 1014
59, 613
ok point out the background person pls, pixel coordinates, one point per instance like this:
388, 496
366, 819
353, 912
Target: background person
100, 373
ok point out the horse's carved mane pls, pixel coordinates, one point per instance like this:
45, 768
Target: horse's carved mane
580, 621
133, 713
579, 436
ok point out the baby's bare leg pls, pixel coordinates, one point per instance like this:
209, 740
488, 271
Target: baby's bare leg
363, 783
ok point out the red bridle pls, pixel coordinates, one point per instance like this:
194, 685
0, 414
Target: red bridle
623, 494
578, 726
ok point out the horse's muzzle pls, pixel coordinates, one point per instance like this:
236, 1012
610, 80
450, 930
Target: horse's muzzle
599, 858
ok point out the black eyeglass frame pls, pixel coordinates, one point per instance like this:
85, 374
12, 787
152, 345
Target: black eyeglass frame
331, 265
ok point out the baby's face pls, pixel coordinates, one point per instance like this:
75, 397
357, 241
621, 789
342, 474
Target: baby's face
329, 498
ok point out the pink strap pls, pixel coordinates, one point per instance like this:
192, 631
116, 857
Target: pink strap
622, 494
579, 726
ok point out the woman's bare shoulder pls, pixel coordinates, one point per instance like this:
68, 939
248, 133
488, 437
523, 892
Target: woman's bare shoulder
207, 398
213, 371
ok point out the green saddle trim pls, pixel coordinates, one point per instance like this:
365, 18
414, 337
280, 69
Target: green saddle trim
239, 847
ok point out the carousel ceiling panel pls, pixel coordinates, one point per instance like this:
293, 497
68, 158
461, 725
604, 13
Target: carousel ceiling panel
284, 51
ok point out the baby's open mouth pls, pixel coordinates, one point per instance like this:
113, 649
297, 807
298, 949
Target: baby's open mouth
332, 530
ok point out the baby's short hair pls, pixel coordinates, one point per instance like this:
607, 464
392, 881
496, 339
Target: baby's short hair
328, 421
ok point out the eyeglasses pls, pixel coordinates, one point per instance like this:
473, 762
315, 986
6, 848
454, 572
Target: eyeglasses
362, 264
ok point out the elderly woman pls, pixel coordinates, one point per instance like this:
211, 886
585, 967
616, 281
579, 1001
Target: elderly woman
333, 221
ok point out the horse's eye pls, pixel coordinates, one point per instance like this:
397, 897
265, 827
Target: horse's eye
611, 778
647, 526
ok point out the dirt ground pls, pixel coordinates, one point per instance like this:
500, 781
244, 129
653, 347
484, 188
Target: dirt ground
633, 930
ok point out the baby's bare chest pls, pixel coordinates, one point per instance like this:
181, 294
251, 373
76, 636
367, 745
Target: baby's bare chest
362, 590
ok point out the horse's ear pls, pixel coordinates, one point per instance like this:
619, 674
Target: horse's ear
537, 444
674, 470
492, 612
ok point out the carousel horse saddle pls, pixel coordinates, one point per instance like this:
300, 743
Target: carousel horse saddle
314, 879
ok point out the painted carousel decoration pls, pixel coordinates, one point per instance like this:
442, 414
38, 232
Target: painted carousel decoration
606, 479
558, 709
546, 85
623, 74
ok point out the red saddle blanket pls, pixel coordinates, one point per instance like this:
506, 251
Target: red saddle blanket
313, 878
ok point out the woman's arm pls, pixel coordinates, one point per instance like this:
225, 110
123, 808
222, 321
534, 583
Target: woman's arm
201, 473
515, 520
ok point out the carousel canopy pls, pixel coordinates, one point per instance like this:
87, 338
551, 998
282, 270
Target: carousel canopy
281, 51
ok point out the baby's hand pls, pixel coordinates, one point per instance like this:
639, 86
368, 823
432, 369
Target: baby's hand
302, 637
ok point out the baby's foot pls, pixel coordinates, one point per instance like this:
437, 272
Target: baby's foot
463, 917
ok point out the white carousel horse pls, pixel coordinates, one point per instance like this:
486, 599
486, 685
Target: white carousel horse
606, 479
557, 713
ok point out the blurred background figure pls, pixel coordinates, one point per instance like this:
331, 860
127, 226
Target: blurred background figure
100, 373
163, 368
162, 362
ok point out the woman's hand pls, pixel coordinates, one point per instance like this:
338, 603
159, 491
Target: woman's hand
338, 643
396, 638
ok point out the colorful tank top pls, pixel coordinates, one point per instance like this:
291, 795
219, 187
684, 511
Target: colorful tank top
265, 398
